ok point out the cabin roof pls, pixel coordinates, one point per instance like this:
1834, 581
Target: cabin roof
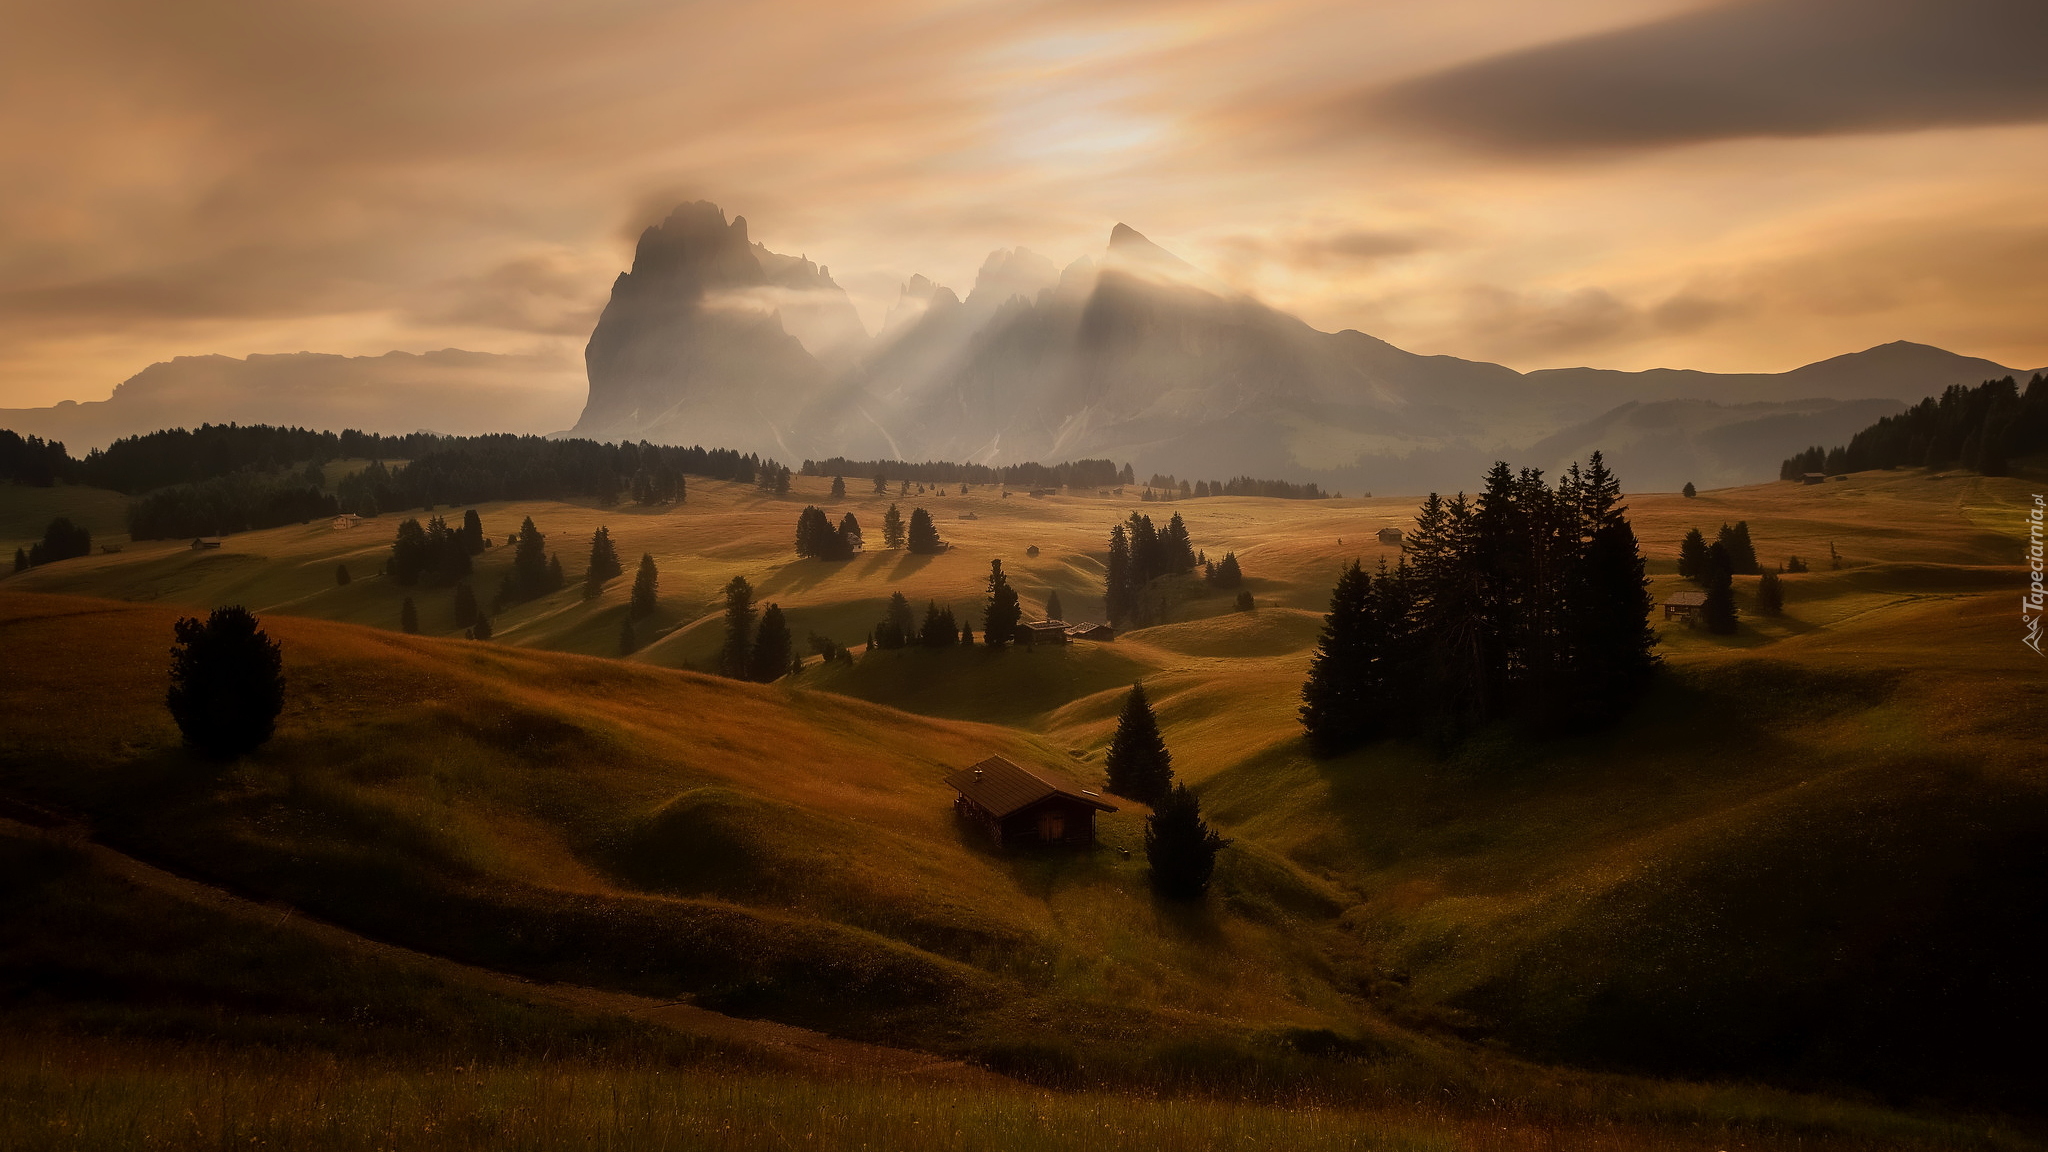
1002, 787
1684, 599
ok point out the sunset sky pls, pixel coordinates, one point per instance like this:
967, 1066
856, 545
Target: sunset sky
1625, 183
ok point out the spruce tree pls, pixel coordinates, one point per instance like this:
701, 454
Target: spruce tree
529, 561
20, 560
892, 527
472, 532
939, 630
604, 562
644, 584
1180, 846
465, 605
924, 536
881, 484
1117, 579
227, 682
1719, 610
1138, 763
849, 535
1741, 553
1689, 491
1244, 601
341, 576
739, 628
1692, 555
556, 579
966, 634
899, 626
1054, 610
773, 647
1770, 594
1342, 698
408, 617
408, 553
1001, 611
838, 487
1228, 574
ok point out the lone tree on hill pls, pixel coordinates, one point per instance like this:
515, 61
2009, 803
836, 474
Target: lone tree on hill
62, 540
892, 527
881, 484
1244, 601
408, 617
644, 583
739, 628
1000, 613
1770, 594
1688, 491
1719, 610
1692, 555
341, 576
472, 532
1054, 610
1180, 846
838, 487
227, 682
924, 537
604, 562
773, 647
1139, 765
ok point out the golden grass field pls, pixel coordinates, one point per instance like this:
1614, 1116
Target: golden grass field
1458, 921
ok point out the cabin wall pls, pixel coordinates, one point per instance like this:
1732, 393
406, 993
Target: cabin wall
1075, 823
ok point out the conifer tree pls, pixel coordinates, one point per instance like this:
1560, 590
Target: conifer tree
604, 562
482, 628
1117, 579
796, 664
1244, 601
1741, 553
227, 682
627, 643
408, 617
849, 535
20, 560
939, 630
1719, 610
1343, 698
644, 585
881, 484
1180, 846
1692, 555
1689, 491
892, 527
529, 561
408, 553
1054, 610
1177, 552
1227, 574
1001, 611
899, 626
465, 605
556, 580
773, 647
472, 532
1138, 763
924, 536
739, 628
838, 487
1770, 594
966, 634
341, 576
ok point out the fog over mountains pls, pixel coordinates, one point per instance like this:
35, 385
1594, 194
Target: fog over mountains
1140, 357
1131, 354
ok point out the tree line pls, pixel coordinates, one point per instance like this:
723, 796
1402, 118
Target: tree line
1529, 600
1139, 555
1170, 487
33, 461
1069, 474
1981, 429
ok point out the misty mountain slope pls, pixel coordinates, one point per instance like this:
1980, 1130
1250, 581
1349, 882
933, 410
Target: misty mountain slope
1138, 356
449, 391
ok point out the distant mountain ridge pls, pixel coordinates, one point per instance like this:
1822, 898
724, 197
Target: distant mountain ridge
1139, 356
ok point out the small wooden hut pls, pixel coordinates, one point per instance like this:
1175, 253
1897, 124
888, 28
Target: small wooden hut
1017, 806
1684, 605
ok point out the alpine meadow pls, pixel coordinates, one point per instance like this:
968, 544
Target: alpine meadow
637, 688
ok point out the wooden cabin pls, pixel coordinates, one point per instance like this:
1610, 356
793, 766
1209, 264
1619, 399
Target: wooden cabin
1017, 806
201, 542
345, 520
1815, 477
1091, 632
1684, 605
1045, 631
1390, 536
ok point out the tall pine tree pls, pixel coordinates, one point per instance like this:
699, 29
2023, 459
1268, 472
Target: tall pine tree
1001, 611
773, 647
604, 562
1180, 847
1138, 763
644, 584
739, 628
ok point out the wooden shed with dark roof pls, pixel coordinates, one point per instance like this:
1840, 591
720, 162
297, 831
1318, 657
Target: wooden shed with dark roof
1018, 806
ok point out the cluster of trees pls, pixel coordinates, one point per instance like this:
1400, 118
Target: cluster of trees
760, 652
1735, 545
237, 502
1169, 487
1223, 575
900, 627
474, 469
1529, 600
1138, 555
62, 540
33, 460
817, 538
1179, 845
1071, 474
436, 554
1981, 428
1714, 566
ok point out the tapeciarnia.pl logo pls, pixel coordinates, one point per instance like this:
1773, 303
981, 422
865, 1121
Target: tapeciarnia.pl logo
2036, 600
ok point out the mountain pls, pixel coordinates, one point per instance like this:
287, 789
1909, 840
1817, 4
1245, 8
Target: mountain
712, 339
1140, 356
450, 391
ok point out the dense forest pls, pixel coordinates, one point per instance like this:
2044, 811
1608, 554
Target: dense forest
1982, 429
33, 460
1529, 601
1071, 474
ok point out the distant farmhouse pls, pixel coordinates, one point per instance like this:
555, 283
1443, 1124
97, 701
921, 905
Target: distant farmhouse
201, 542
1019, 807
345, 520
1390, 536
1091, 632
1815, 477
1684, 605
1046, 631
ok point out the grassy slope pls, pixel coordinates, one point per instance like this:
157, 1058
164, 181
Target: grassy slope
1668, 888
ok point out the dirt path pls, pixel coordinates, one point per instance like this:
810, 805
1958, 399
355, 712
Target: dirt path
799, 1047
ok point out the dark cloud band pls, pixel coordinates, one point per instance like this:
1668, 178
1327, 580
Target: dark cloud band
1761, 68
